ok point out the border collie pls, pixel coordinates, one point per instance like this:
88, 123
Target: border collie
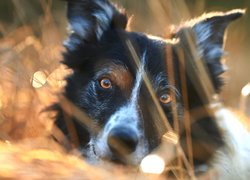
134, 88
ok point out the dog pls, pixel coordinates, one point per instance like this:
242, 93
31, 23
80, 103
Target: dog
136, 87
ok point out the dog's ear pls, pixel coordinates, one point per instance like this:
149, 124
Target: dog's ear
88, 19
208, 31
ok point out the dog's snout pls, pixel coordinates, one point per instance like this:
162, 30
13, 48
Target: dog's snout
122, 141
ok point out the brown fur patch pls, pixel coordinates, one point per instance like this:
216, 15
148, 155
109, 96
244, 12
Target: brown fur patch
119, 75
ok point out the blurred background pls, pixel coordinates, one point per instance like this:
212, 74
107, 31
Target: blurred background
31, 34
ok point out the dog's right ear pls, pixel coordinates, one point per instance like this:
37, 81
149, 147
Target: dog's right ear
89, 19
208, 37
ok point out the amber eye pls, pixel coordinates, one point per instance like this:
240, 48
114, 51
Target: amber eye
165, 98
105, 83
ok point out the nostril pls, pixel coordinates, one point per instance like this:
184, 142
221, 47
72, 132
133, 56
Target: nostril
122, 141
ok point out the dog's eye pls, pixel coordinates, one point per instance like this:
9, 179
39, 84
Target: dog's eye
165, 98
105, 83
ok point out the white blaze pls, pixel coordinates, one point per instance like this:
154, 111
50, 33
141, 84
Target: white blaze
127, 116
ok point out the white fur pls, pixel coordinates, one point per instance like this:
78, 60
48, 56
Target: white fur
233, 161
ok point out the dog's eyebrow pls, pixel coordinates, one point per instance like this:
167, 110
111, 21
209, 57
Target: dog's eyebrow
118, 73
160, 80
160, 83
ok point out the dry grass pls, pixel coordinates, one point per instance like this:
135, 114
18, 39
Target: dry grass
26, 149
28, 161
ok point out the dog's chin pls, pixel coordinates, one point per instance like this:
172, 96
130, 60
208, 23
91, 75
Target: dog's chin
120, 160
131, 159
128, 160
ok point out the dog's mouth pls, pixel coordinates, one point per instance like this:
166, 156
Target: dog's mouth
120, 160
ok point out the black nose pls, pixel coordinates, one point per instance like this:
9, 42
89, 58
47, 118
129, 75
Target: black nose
122, 141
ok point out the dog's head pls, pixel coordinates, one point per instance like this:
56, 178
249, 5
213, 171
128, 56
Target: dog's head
126, 82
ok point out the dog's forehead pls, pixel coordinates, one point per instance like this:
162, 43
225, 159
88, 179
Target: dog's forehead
118, 57
156, 60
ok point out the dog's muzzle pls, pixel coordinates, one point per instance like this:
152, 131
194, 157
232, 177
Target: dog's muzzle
122, 141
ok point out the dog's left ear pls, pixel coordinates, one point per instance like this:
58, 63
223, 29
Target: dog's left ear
208, 31
89, 19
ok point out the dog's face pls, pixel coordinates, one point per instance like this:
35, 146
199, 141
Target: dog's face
121, 79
